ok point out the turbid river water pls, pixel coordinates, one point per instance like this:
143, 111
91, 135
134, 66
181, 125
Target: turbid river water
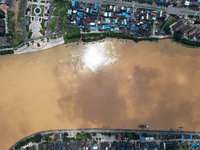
113, 83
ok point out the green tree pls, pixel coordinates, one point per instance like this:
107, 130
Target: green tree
94, 134
178, 36
37, 138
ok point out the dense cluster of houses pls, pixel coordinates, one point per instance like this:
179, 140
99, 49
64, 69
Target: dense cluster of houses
192, 3
2, 22
120, 142
184, 3
5, 41
189, 28
117, 19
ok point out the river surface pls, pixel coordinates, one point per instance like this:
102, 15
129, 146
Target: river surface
115, 83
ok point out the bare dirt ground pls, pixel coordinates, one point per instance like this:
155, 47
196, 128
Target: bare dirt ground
15, 9
152, 83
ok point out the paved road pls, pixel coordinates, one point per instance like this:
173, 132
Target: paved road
49, 19
170, 10
25, 34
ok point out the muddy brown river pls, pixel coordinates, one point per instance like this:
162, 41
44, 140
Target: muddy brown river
115, 83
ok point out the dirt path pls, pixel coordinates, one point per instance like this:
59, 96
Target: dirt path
15, 9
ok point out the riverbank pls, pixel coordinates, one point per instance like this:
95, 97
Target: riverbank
72, 133
34, 45
52, 43
93, 37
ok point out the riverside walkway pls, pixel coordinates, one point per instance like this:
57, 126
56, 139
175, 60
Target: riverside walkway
73, 132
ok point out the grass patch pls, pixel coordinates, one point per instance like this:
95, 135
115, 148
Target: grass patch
42, 10
53, 37
42, 24
72, 31
60, 9
20, 15
83, 136
132, 136
33, 8
53, 24
29, 34
73, 34
11, 23
72, 40
18, 38
42, 32
93, 37
165, 25
183, 146
17, 34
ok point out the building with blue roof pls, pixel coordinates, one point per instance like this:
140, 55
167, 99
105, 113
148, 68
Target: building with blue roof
78, 22
194, 145
92, 27
119, 14
100, 27
125, 22
111, 29
133, 27
73, 3
127, 16
91, 11
107, 20
96, 5
79, 15
106, 27
142, 139
116, 29
69, 12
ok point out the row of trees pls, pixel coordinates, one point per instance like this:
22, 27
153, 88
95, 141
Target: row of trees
99, 36
178, 38
84, 136
131, 136
34, 139
6, 52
